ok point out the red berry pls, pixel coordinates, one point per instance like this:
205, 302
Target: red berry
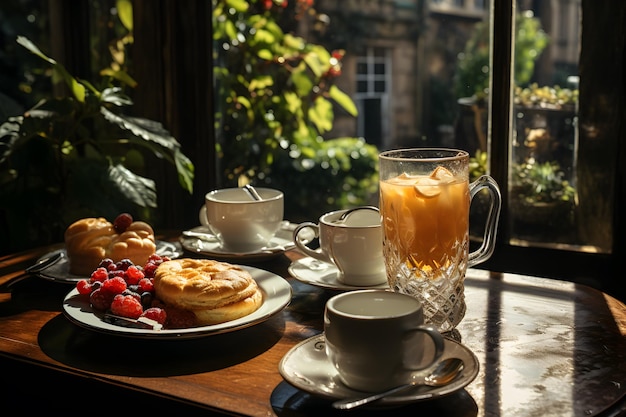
126, 306
149, 269
134, 275
100, 274
146, 285
100, 300
84, 287
122, 222
116, 285
155, 257
157, 314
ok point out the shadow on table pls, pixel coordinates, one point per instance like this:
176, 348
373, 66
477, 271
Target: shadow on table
95, 352
288, 401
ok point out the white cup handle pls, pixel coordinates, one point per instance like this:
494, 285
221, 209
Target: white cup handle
301, 242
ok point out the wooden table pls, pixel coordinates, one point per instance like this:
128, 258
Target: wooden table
545, 347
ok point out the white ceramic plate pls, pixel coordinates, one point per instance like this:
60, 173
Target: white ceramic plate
322, 274
276, 296
307, 368
60, 271
210, 246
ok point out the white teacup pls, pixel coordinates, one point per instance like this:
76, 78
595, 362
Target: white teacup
238, 221
377, 339
353, 244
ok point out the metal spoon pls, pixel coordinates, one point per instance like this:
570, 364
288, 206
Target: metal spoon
253, 193
348, 212
443, 374
44, 263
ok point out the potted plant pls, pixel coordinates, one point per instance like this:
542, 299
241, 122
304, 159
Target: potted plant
540, 194
79, 156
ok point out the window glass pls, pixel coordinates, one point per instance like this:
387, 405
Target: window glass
544, 149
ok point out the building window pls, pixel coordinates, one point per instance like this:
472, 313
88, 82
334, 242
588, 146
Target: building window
373, 83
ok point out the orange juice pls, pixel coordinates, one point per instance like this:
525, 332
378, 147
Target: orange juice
425, 220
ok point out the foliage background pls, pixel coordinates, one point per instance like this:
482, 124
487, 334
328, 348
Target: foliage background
276, 99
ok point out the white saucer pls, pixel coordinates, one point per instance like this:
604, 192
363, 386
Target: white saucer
322, 274
60, 270
211, 246
307, 368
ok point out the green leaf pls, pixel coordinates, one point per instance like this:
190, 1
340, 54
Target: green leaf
119, 75
9, 136
260, 83
26, 43
265, 54
264, 36
321, 114
114, 96
78, 90
294, 102
301, 80
186, 171
142, 128
294, 42
239, 5
140, 190
343, 100
125, 13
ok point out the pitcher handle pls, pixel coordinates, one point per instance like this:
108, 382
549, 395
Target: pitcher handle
488, 245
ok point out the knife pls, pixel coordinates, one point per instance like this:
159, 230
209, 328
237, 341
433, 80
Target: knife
140, 323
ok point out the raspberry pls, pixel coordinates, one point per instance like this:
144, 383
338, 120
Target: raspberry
121, 222
100, 300
100, 274
149, 269
157, 314
115, 285
84, 287
133, 275
178, 318
155, 258
145, 285
126, 306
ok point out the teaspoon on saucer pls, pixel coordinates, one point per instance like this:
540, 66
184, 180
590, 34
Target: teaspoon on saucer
443, 374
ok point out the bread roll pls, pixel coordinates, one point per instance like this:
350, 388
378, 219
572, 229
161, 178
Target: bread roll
89, 240
214, 291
